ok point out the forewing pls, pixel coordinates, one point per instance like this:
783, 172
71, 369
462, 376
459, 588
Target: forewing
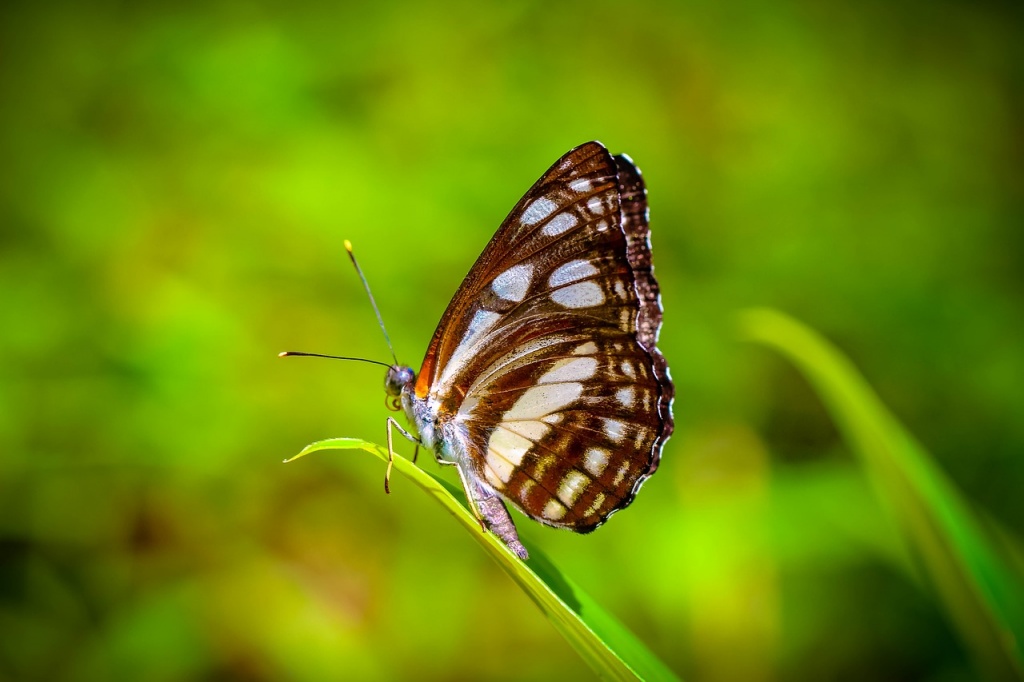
546, 355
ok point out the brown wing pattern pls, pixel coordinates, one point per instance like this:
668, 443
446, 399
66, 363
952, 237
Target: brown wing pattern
547, 355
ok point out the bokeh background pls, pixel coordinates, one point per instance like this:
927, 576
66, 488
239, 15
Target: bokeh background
177, 180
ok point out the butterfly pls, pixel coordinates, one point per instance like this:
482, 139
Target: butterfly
543, 384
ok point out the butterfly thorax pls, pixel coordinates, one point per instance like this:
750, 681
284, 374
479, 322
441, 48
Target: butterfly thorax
423, 414
437, 430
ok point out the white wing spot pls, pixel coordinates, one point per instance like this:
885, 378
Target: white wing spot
589, 348
513, 284
582, 295
555, 418
572, 271
572, 487
627, 369
559, 224
595, 205
501, 467
538, 211
620, 475
614, 429
507, 448
481, 322
570, 369
540, 401
596, 461
580, 185
553, 510
620, 288
493, 479
478, 326
602, 226
626, 396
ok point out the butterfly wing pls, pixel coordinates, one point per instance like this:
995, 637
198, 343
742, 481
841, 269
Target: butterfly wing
547, 357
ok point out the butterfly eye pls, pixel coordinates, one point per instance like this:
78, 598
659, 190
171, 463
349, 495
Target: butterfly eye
398, 376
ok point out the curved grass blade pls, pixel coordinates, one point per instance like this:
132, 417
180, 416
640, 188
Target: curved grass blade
605, 644
981, 594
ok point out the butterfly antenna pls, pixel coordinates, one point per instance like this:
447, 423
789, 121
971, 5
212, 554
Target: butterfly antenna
300, 354
366, 285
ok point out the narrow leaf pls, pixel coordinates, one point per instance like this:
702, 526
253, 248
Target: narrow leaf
605, 644
980, 593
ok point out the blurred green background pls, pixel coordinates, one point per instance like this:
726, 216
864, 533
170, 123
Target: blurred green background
176, 182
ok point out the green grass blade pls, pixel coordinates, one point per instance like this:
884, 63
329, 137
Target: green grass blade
981, 594
608, 647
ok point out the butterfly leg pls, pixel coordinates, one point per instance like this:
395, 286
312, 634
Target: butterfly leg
391, 451
491, 514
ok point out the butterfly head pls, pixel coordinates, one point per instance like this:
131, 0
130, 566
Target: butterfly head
398, 377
